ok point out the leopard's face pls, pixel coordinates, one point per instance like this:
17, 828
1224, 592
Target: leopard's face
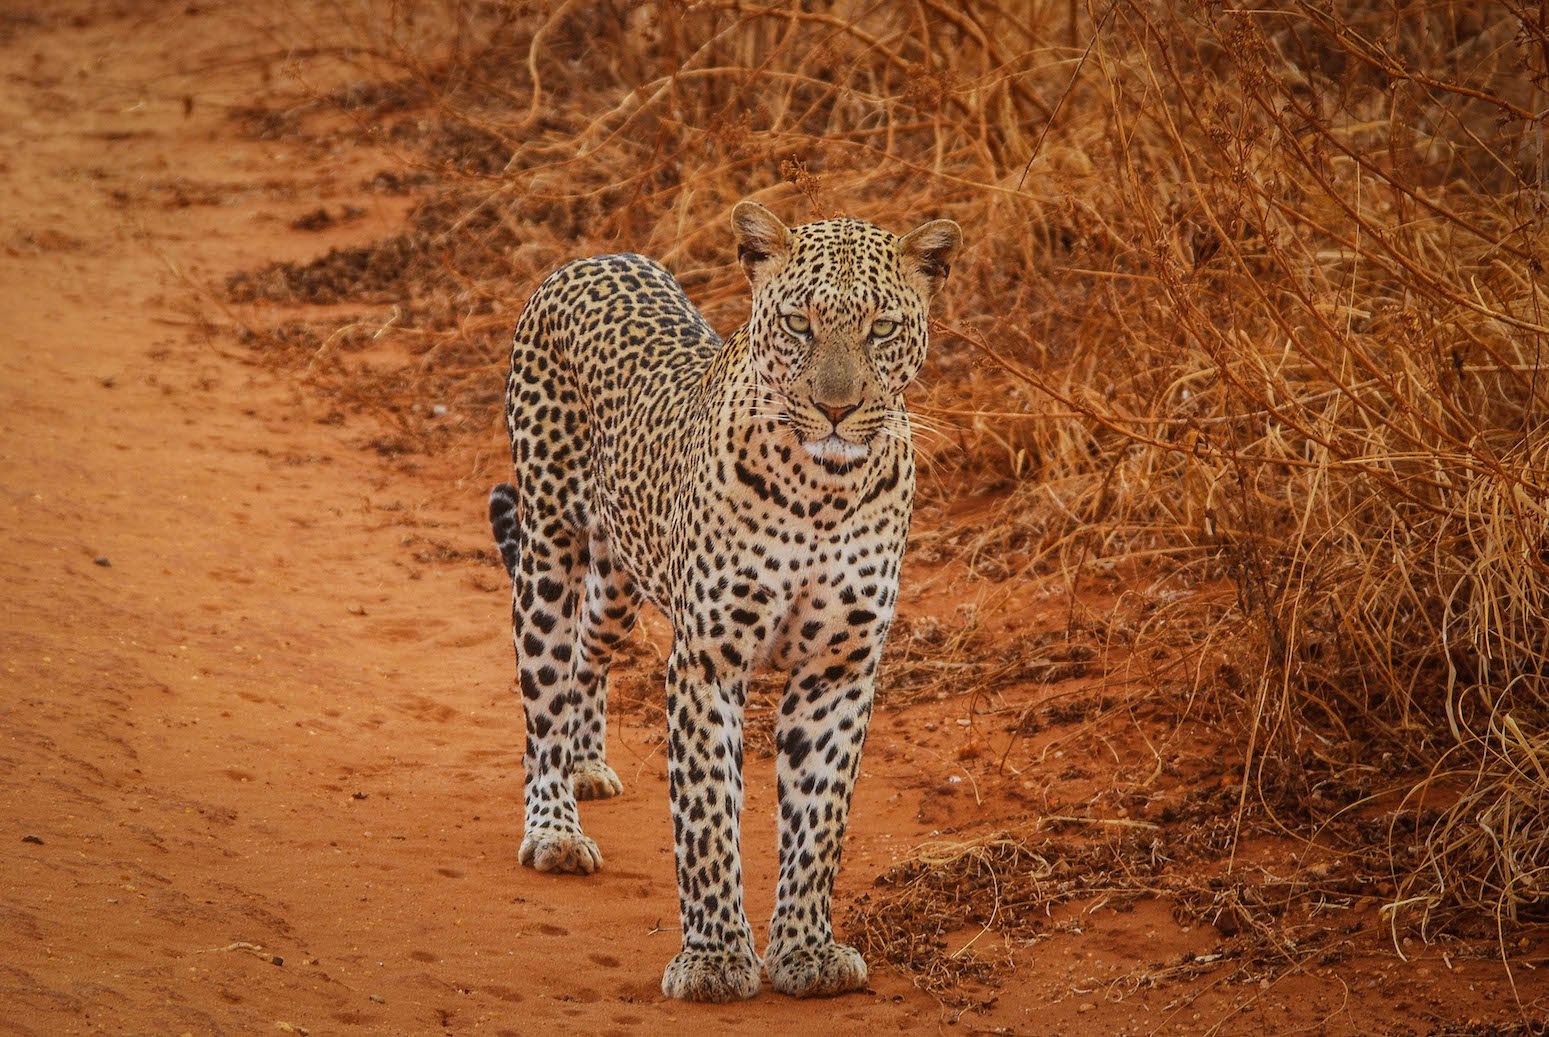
839, 323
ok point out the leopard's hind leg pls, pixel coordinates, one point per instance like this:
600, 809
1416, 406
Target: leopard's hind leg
608, 615
611, 607
547, 552
547, 560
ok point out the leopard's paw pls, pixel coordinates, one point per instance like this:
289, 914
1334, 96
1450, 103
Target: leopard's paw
822, 971
593, 779
557, 849
717, 976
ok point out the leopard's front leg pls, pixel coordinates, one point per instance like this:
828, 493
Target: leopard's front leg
706, 691
819, 735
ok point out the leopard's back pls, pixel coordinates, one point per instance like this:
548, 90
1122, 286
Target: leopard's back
605, 400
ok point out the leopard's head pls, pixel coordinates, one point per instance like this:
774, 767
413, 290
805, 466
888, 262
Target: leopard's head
838, 325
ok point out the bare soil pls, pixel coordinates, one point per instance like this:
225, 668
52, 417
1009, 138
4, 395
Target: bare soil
259, 756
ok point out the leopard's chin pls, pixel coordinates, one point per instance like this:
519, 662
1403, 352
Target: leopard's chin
834, 449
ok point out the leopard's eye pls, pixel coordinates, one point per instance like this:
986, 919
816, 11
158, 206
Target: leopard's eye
881, 329
796, 324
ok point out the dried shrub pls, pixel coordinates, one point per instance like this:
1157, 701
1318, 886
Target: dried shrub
1252, 300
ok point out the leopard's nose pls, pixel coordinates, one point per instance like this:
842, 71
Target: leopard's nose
836, 414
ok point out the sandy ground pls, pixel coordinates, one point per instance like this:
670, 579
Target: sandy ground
259, 755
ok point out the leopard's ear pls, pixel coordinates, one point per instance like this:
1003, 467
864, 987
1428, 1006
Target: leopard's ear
763, 242
929, 250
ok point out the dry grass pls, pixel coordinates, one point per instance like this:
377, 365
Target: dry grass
1252, 299
955, 911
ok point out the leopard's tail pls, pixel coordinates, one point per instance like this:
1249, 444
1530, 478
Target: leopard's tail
502, 519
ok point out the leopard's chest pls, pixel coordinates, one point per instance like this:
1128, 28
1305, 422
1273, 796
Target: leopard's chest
782, 573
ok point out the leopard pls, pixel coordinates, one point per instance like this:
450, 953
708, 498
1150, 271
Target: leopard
757, 490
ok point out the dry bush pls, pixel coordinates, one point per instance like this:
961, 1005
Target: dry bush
1251, 295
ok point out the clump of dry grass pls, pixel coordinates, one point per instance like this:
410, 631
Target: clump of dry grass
1251, 295
954, 911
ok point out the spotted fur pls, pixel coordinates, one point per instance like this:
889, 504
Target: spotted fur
758, 491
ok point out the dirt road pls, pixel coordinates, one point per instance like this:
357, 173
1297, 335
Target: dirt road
260, 766
259, 756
